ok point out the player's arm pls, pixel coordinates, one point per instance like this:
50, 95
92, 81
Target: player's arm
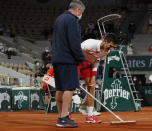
106, 49
91, 57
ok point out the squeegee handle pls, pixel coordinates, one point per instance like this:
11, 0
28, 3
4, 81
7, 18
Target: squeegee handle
101, 104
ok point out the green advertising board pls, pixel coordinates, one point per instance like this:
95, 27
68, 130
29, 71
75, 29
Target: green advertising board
5, 98
117, 96
98, 94
116, 91
139, 63
146, 95
25, 98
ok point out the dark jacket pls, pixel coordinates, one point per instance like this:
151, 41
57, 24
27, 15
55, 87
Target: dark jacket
66, 40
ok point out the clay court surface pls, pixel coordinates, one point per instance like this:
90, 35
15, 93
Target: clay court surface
38, 121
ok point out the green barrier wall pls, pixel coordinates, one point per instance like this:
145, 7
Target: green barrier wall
146, 95
25, 98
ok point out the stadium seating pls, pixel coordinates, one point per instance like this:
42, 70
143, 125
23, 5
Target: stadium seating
29, 19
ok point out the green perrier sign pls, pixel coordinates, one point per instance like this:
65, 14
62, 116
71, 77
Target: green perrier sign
116, 92
117, 96
25, 98
19, 99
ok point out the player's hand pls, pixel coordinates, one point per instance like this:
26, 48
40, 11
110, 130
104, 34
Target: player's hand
103, 55
90, 56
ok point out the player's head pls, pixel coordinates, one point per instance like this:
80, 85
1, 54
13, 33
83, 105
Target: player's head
109, 41
110, 38
78, 8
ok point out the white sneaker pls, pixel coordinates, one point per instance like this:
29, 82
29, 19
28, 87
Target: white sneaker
95, 113
83, 112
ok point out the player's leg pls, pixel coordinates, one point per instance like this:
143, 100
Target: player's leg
83, 106
90, 82
88, 101
91, 89
86, 73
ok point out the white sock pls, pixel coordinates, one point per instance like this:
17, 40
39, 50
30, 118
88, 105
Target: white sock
90, 110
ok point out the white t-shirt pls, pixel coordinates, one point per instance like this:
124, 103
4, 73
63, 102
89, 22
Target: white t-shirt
91, 44
94, 46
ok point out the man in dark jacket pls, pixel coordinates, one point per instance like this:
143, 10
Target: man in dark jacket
66, 55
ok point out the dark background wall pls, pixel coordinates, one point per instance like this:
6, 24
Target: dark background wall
103, 2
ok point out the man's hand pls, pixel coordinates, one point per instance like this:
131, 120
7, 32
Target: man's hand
90, 56
103, 55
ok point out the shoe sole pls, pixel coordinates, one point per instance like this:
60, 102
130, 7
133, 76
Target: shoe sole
84, 113
65, 126
93, 122
97, 114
